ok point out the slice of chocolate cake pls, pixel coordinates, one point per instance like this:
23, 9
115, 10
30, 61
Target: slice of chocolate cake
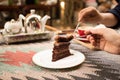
61, 47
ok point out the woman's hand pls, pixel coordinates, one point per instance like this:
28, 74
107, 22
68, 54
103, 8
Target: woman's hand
93, 16
105, 39
89, 15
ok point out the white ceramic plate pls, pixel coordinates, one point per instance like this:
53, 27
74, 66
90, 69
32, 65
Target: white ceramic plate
44, 59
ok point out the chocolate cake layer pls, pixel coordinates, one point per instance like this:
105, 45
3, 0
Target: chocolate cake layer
61, 44
63, 38
58, 51
56, 57
61, 47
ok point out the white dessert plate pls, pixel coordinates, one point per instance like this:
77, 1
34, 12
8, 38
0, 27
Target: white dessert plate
44, 59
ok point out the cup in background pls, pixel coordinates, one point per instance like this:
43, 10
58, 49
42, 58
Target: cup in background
81, 33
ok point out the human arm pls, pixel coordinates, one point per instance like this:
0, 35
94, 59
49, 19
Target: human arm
92, 15
105, 39
108, 19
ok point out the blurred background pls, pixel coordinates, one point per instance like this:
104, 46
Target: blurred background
63, 13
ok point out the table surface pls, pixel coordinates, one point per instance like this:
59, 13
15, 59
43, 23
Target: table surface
16, 63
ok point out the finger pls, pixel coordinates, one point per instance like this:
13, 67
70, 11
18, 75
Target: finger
92, 42
87, 31
81, 17
88, 37
95, 44
91, 38
99, 31
86, 14
102, 44
80, 14
83, 13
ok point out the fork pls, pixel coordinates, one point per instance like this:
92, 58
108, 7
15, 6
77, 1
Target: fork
78, 24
